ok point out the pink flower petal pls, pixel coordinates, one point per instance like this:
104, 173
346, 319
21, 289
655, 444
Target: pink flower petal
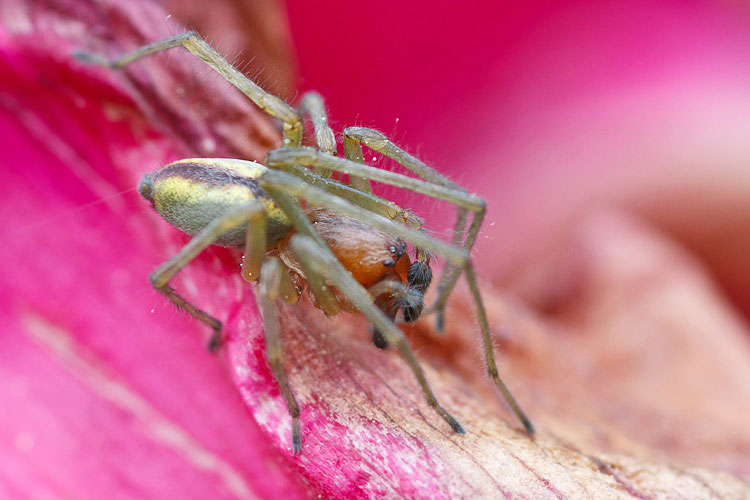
111, 390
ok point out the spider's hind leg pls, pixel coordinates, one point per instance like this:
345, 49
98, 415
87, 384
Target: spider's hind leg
164, 273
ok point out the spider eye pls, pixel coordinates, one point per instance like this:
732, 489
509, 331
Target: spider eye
389, 263
398, 250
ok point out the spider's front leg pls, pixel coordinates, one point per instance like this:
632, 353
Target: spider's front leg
320, 261
355, 137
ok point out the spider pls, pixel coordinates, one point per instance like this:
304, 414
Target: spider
300, 228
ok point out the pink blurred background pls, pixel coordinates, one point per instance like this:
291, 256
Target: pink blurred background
552, 110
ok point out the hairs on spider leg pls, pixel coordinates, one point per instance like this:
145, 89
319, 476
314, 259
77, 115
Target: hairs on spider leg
249, 63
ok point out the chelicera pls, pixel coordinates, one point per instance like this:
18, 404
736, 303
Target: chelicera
301, 228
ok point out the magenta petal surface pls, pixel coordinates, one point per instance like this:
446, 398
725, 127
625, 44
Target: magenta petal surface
109, 392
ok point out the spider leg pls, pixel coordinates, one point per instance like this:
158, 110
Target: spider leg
369, 201
255, 244
317, 284
275, 183
272, 275
283, 188
353, 151
489, 351
291, 159
311, 104
354, 137
322, 262
294, 157
193, 42
164, 273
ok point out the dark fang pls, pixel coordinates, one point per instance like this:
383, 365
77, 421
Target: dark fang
419, 276
215, 341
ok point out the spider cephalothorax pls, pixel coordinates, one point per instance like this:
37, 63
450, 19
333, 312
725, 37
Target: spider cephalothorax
300, 228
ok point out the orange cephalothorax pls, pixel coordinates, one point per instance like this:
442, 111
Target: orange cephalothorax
369, 254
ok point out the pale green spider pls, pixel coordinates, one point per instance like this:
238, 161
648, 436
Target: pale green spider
247, 205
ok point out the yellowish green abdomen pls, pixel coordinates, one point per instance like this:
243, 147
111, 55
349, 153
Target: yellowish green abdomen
191, 193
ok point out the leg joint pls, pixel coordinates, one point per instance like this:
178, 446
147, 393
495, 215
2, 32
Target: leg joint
369, 137
275, 357
481, 206
157, 281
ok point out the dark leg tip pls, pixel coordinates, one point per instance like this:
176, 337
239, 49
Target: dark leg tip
378, 339
215, 341
296, 439
457, 428
528, 426
81, 55
440, 320
89, 58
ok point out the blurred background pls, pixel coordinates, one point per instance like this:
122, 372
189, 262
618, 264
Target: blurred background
552, 109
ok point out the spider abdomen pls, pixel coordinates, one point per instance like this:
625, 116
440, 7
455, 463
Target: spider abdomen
190, 194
